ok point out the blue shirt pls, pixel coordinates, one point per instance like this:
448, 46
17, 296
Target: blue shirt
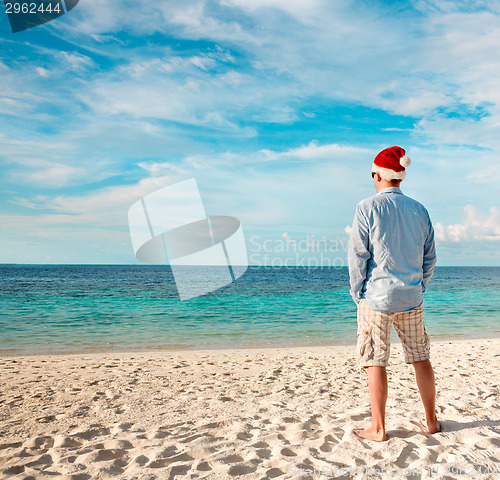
391, 253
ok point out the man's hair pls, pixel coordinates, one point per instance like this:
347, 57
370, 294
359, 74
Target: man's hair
395, 182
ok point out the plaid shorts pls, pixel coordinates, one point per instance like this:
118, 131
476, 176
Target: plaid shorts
374, 335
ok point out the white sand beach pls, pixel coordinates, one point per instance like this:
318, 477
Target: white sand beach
251, 413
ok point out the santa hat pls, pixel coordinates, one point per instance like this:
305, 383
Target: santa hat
390, 163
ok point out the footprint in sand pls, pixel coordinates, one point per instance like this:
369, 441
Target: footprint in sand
39, 443
287, 452
274, 472
93, 432
203, 467
237, 470
61, 441
264, 453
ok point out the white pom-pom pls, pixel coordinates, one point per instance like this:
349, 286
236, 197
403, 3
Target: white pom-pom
404, 161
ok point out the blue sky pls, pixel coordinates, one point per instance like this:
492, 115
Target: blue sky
276, 107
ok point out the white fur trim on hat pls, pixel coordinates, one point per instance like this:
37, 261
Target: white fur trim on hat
388, 174
405, 161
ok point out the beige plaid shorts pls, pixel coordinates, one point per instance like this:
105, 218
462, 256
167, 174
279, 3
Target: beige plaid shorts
374, 335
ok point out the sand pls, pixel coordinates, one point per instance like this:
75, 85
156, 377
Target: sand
250, 413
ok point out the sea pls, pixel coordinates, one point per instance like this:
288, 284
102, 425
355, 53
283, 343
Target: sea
51, 309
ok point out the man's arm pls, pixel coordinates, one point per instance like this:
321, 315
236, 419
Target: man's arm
358, 254
429, 262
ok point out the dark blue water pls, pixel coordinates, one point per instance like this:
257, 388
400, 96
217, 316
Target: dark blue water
71, 308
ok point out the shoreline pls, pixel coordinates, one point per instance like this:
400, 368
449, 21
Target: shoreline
224, 348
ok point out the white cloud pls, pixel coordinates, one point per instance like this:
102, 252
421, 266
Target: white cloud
315, 151
326, 154
297, 8
203, 90
104, 203
95, 17
76, 61
159, 169
52, 162
13, 98
54, 174
475, 225
43, 72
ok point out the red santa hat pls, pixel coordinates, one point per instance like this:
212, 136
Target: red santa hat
390, 163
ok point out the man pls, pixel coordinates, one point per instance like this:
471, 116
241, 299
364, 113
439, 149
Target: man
391, 259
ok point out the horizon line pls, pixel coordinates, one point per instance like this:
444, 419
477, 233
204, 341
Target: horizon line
6, 264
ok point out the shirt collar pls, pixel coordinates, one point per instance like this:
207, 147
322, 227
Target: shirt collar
390, 190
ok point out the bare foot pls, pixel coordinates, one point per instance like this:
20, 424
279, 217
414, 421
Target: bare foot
371, 434
433, 427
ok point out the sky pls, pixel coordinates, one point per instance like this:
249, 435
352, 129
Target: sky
276, 107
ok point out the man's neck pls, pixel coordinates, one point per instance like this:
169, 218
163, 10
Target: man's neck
386, 184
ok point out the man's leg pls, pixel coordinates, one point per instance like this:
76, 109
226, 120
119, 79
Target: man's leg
411, 330
377, 383
373, 348
427, 388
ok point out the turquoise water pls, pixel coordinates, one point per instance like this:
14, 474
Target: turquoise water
73, 308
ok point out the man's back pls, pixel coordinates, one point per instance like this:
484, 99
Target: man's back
391, 252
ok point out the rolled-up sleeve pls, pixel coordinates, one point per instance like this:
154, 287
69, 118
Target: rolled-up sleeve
429, 261
358, 254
